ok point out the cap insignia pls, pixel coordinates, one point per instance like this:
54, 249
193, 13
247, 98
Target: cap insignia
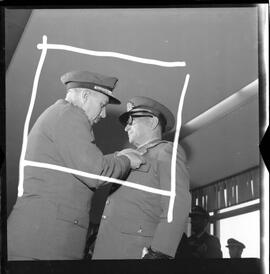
130, 106
103, 89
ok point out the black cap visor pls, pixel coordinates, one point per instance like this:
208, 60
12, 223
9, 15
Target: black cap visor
125, 116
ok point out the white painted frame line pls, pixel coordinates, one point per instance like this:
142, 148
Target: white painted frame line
23, 162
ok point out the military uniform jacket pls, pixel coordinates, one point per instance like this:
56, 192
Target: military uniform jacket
50, 220
205, 246
134, 219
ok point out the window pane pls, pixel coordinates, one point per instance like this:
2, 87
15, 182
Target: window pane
211, 228
253, 202
244, 228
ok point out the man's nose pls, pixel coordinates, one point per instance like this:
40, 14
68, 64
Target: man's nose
127, 127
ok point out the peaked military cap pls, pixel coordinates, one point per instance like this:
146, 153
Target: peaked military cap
199, 211
91, 80
232, 242
141, 104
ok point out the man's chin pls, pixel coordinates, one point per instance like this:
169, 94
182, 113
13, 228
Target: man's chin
130, 139
96, 121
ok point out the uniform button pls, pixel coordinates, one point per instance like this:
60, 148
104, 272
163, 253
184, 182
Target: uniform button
76, 222
104, 217
140, 230
107, 202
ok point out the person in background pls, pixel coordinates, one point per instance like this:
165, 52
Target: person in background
200, 244
235, 248
134, 222
50, 220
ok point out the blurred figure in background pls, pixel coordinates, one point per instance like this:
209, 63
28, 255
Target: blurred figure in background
235, 248
200, 244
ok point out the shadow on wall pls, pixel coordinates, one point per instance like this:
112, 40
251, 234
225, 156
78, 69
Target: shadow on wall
15, 22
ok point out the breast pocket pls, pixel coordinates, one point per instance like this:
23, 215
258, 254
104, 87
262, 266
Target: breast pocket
139, 228
73, 216
136, 236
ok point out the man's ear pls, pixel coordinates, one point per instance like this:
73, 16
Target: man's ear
84, 95
155, 122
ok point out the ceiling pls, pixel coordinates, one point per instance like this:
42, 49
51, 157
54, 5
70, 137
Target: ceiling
219, 46
15, 22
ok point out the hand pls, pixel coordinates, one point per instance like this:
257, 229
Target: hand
135, 159
144, 251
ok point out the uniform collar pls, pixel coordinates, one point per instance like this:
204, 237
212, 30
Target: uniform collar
143, 148
80, 112
200, 235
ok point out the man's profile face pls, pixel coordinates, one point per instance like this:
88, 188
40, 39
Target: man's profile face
138, 130
235, 251
95, 106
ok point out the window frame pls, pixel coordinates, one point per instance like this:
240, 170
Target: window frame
217, 215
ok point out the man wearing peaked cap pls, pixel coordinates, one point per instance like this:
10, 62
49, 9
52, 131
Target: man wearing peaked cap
93, 81
134, 223
199, 211
144, 105
200, 244
50, 220
235, 248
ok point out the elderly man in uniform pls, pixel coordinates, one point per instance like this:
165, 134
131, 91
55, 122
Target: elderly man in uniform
235, 248
134, 223
200, 244
50, 220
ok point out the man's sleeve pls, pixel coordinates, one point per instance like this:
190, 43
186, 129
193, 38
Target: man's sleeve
121, 160
74, 142
168, 235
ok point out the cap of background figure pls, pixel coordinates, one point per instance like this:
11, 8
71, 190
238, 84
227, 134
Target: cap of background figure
199, 211
232, 242
91, 80
146, 105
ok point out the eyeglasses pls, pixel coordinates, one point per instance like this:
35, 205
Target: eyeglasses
131, 118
